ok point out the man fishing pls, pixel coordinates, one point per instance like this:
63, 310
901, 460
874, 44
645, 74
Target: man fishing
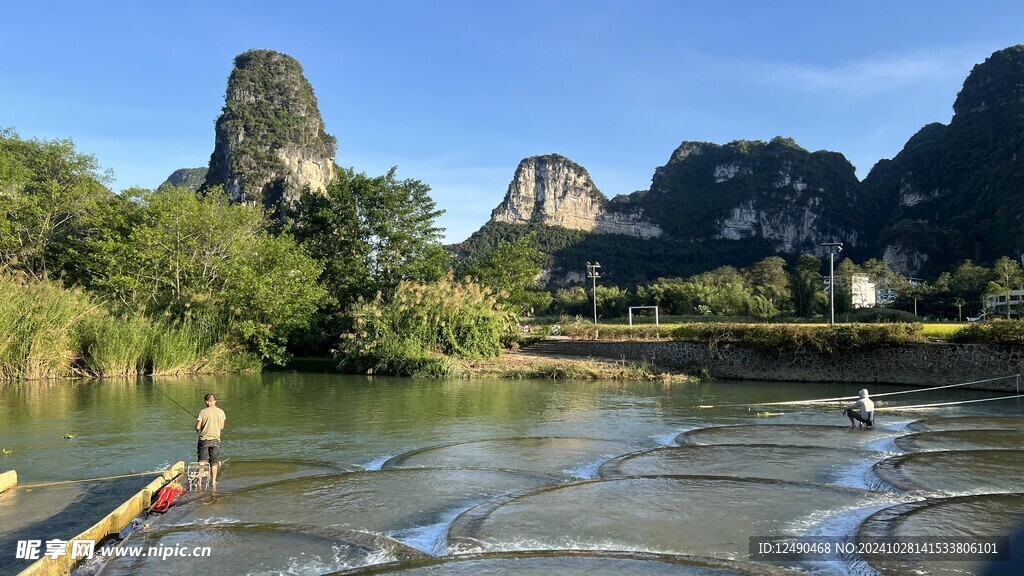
865, 413
209, 424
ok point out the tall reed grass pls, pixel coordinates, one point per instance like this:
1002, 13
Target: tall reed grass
48, 331
423, 327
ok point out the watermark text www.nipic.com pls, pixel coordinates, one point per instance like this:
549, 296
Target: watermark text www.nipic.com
81, 549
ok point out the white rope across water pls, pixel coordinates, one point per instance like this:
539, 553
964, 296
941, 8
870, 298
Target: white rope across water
844, 398
941, 404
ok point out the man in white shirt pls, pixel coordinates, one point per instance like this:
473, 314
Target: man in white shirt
865, 413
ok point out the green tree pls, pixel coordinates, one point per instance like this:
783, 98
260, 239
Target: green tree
968, 281
46, 187
200, 256
844, 285
612, 302
1008, 276
369, 234
768, 279
574, 301
512, 269
397, 218
806, 284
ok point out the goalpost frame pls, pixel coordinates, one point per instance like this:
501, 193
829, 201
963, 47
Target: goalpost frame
631, 308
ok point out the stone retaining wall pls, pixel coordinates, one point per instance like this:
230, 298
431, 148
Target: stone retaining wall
929, 364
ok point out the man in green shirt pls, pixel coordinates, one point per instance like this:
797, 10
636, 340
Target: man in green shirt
209, 424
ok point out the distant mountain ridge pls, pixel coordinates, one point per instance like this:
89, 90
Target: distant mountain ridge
952, 193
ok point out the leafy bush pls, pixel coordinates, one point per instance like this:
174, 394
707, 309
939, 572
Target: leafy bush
587, 331
422, 328
876, 315
1006, 332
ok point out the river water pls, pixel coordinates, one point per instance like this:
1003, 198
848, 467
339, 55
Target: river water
330, 473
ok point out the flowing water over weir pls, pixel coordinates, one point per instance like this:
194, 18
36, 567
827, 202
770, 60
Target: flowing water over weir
332, 474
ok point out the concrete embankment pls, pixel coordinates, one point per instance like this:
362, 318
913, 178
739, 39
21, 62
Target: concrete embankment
110, 525
925, 364
8, 480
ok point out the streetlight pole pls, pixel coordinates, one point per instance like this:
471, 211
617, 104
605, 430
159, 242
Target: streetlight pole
593, 274
833, 247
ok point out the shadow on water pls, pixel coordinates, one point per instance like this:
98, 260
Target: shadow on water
57, 512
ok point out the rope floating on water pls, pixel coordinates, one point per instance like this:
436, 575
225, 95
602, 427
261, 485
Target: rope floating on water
41, 484
844, 398
941, 404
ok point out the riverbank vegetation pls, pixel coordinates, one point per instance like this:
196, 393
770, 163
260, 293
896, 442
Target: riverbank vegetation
424, 328
520, 366
49, 331
163, 281
172, 281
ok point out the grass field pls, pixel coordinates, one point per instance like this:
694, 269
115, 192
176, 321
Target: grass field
941, 331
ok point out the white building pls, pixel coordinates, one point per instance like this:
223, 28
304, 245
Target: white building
863, 291
995, 304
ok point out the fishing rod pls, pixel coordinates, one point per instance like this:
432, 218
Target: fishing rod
844, 398
175, 401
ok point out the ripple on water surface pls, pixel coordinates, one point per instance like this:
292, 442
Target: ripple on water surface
956, 471
986, 517
564, 457
377, 501
572, 563
658, 514
839, 436
969, 423
962, 440
794, 463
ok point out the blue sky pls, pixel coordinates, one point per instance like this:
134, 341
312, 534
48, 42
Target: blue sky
456, 93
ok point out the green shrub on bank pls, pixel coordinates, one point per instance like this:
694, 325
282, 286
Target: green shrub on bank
877, 315
588, 331
789, 338
423, 328
1005, 332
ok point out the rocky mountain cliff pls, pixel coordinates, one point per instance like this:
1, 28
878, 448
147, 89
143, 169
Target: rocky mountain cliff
556, 191
270, 138
952, 193
775, 192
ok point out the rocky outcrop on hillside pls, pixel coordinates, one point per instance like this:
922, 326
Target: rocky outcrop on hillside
556, 191
775, 192
270, 138
191, 178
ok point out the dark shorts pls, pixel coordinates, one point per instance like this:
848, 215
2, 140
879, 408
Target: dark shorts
208, 450
869, 420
